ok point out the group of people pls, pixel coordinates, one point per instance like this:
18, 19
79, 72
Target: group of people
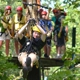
10, 25
30, 39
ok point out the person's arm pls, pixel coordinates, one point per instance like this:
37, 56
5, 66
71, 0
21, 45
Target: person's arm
12, 26
50, 32
41, 29
47, 16
4, 21
19, 33
22, 40
44, 33
51, 29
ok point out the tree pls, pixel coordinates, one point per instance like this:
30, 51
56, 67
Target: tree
72, 20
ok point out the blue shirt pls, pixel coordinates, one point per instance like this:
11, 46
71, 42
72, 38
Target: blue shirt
45, 23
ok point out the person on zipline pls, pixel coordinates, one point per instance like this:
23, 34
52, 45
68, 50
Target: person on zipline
29, 53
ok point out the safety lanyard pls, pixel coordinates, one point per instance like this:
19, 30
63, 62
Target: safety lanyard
19, 19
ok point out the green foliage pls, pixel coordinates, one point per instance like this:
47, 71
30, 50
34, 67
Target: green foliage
5, 68
72, 7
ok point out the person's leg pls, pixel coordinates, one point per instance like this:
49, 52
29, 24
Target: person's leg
63, 49
1, 43
66, 33
22, 58
34, 59
59, 52
45, 51
16, 47
48, 47
2, 38
7, 46
48, 50
20, 46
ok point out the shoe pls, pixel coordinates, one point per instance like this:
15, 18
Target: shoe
46, 56
28, 64
25, 72
58, 56
27, 68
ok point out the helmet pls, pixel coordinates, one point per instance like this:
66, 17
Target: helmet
8, 8
61, 8
55, 10
19, 8
40, 10
35, 28
44, 13
65, 13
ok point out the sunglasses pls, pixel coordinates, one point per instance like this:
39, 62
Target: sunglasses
55, 12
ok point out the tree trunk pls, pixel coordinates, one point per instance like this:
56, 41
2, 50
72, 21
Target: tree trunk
32, 10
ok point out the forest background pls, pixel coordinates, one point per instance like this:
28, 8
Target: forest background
9, 71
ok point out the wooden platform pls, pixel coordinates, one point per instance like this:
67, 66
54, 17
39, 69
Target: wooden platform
44, 62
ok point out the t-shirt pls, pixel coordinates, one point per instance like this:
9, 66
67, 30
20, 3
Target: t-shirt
37, 43
53, 19
56, 21
45, 24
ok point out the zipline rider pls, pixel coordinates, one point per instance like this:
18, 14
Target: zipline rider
29, 53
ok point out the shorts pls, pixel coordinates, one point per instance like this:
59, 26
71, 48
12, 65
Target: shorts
60, 42
7, 36
2, 36
48, 41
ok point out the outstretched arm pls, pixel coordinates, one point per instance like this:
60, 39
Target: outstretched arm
41, 29
44, 33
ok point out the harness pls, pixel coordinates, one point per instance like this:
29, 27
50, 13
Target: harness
29, 47
57, 26
18, 20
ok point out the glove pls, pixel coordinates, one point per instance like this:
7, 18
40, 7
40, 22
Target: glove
59, 34
66, 38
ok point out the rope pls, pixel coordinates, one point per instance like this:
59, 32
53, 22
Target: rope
34, 4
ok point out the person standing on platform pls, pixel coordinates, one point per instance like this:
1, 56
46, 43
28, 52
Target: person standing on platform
47, 26
61, 31
6, 21
19, 21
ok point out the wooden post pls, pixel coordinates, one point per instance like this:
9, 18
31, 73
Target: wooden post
24, 4
73, 39
43, 72
39, 65
73, 45
38, 2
